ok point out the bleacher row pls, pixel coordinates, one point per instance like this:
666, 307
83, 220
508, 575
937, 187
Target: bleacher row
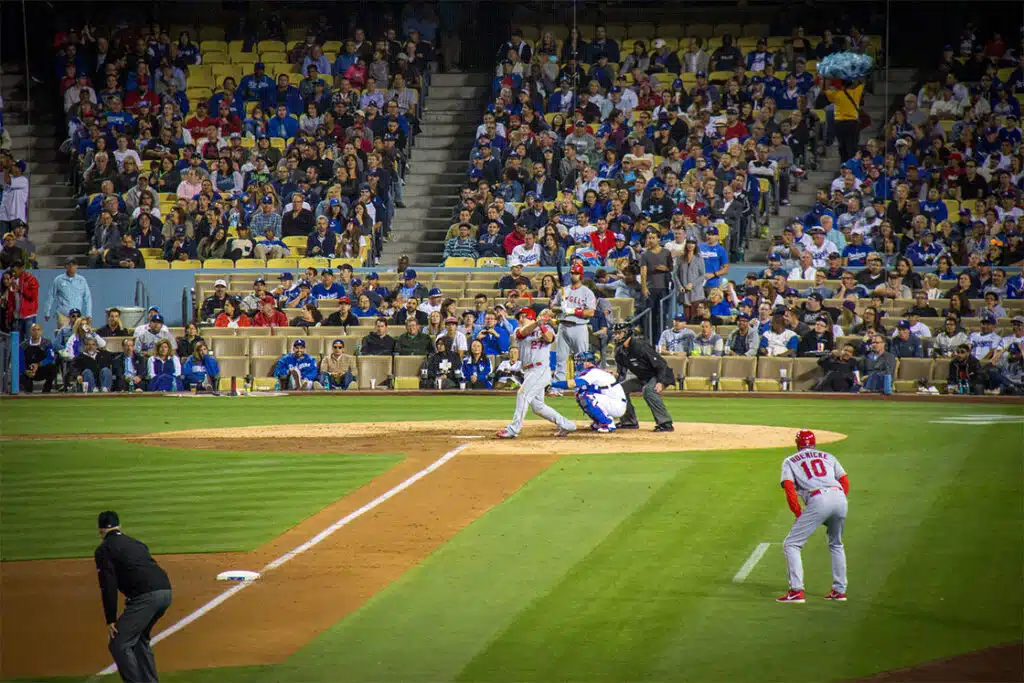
254, 352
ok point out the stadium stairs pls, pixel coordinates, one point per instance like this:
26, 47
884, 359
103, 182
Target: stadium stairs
801, 201
438, 166
52, 227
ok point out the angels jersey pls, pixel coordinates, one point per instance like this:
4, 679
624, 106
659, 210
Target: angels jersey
810, 469
534, 349
570, 299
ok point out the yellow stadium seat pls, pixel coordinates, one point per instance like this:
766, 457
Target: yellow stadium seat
149, 253
157, 264
952, 207
719, 76
218, 263
295, 241
275, 57
490, 262
212, 46
201, 77
339, 262
332, 46
242, 57
250, 263
186, 265
207, 32
238, 46
756, 30
277, 143
775, 42
746, 44
314, 263
812, 66
283, 263
272, 46
198, 94
248, 142
459, 262
216, 58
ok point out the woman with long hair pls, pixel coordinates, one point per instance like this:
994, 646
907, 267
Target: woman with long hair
164, 369
187, 342
689, 272
435, 325
214, 246
476, 367
232, 316
965, 287
309, 316
870, 325
201, 369
548, 287
944, 268
552, 254
905, 269
960, 306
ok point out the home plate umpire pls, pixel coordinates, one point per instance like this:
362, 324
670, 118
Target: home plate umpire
652, 375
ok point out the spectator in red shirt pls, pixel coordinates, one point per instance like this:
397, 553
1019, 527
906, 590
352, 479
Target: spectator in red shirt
197, 124
269, 316
23, 298
692, 205
603, 239
515, 238
131, 102
227, 121
734, 127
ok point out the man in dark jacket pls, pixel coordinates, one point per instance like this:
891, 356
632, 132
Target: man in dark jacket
652, 375
414, 342
38, 361
129, 368
838, 367
124, 564
965, 373
378, 342
126, 255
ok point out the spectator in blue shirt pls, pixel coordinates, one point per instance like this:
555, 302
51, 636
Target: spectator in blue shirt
934, 208
716, 258
476, 367
603, 45
283, 125
254, 85
855, 254
494, 338
924, 252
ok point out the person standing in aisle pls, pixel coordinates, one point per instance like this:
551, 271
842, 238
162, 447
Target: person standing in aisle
124, 564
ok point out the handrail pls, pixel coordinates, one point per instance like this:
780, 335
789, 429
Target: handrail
141, 294
186, 305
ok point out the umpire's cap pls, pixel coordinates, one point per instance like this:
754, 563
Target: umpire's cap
108, 519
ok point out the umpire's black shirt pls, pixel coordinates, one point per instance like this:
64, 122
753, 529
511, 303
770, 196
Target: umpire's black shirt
125, 564
642, 360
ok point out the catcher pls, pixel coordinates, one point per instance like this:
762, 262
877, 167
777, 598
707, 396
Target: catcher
597, 392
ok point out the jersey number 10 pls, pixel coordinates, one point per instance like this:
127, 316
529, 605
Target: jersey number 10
816, 468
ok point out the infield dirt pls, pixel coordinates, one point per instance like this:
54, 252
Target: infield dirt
57, 601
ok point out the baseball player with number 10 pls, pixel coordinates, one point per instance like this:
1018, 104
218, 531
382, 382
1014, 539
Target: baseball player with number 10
576, 305
817, 478
535, 336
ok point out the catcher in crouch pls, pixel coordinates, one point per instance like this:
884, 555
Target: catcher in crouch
598, 393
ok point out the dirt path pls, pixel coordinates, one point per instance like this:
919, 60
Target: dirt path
1001, 664
57, 601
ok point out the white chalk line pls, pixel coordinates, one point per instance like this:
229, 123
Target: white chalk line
751, 562
298, 550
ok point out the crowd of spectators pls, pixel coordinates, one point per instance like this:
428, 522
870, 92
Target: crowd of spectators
309, 162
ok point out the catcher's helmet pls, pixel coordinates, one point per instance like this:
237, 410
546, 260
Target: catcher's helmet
585, 357
805, 438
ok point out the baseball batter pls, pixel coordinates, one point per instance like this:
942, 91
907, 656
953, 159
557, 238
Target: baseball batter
576, 305
535, 337
597, 392
820, 481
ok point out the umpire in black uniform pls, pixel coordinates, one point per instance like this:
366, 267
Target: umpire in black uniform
652, 375
125, 564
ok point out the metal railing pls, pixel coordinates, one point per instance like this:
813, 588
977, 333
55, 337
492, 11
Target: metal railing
10, 372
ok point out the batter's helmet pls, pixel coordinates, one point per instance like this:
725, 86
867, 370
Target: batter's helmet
805, 438
576, 268
585, 357
528, 312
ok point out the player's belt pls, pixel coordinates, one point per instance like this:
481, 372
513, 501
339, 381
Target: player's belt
532, 365
570, 322
818, 492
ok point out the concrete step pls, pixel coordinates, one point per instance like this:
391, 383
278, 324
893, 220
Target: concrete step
48, 202
50, 225
456, 143
439, 167
440, 213
459, 79
36, 154
463, 92
444, 202
41, 178
448, 104
54, 214
11, 80
50, 191
469, 114
466, 129
58, 237
28, 146
434, 180
419, 154
18, 130
80, 248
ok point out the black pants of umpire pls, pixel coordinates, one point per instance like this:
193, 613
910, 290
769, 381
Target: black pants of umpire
653, 399
131, 647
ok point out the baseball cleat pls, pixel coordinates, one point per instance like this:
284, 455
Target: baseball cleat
792, 596
605, 429
561, 432
505, 434
594, 426
629, 425
664, 427
837, 596
555, 392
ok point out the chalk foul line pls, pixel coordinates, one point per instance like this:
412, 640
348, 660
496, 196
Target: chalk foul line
751, 562
298, 550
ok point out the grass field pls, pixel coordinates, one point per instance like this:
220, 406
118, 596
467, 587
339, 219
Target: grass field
603, 568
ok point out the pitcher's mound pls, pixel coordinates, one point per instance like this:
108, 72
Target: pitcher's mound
537, 437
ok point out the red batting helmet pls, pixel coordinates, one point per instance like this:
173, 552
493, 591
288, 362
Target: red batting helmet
805, 438
577, 268
529, 313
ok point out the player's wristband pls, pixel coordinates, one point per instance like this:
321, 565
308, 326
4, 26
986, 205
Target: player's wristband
578, 312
